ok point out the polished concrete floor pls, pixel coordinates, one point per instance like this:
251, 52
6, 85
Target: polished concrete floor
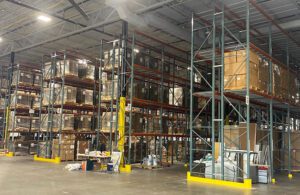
21, 175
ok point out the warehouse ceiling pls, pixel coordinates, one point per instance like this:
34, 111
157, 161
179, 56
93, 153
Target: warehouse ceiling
79, 25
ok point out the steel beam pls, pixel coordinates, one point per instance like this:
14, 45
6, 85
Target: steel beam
78, 8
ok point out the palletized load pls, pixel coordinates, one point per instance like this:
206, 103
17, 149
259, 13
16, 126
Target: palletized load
55, 96
67, 123
22, 77
66, 149
3, 85
84, 123
109, 89
110, 61
177, 94
86, 71
84, 96
22, 99
61, 68
235, 70
108, 121
285, 83
140, 90
23, 123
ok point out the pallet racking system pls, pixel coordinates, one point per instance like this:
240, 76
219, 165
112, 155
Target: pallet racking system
21, 138
224, 31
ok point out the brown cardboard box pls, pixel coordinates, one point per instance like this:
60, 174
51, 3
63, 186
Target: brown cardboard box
243, 136
82, 146
231, 136
238, 81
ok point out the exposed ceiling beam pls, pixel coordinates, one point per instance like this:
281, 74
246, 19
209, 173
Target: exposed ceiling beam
142, 19
269, 17
55, 15
78, 8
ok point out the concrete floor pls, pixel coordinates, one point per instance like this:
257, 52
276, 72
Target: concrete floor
21, 175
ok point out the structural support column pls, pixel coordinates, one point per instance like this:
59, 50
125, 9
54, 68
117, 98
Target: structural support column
222, 90
213, 99
191, 95
288, 118
121, 142
248, 85
271, 104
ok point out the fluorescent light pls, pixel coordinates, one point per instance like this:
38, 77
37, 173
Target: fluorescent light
1, 39
82, 61
136, 50
44, 18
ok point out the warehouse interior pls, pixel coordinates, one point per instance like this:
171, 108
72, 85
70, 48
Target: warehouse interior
149, 96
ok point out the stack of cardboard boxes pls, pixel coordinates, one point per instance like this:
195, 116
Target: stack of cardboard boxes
285, 83
66, 148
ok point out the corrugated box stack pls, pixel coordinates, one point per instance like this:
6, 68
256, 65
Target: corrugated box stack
66, 148
285, 83
295, 151
235, 70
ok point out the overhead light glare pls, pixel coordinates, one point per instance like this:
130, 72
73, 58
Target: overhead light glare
1, 39
136, 50
82, 61
44, 18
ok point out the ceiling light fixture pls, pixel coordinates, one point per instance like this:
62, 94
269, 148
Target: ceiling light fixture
44, 18
1, 39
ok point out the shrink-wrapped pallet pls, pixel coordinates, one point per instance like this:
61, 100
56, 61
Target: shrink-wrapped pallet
109, 89
83, 123
22, 100
110, 61
55, 96
19, 123
22, 77
140, 90
86, 71
48, 123
84, 96
107, 121
71, 68
177, 94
